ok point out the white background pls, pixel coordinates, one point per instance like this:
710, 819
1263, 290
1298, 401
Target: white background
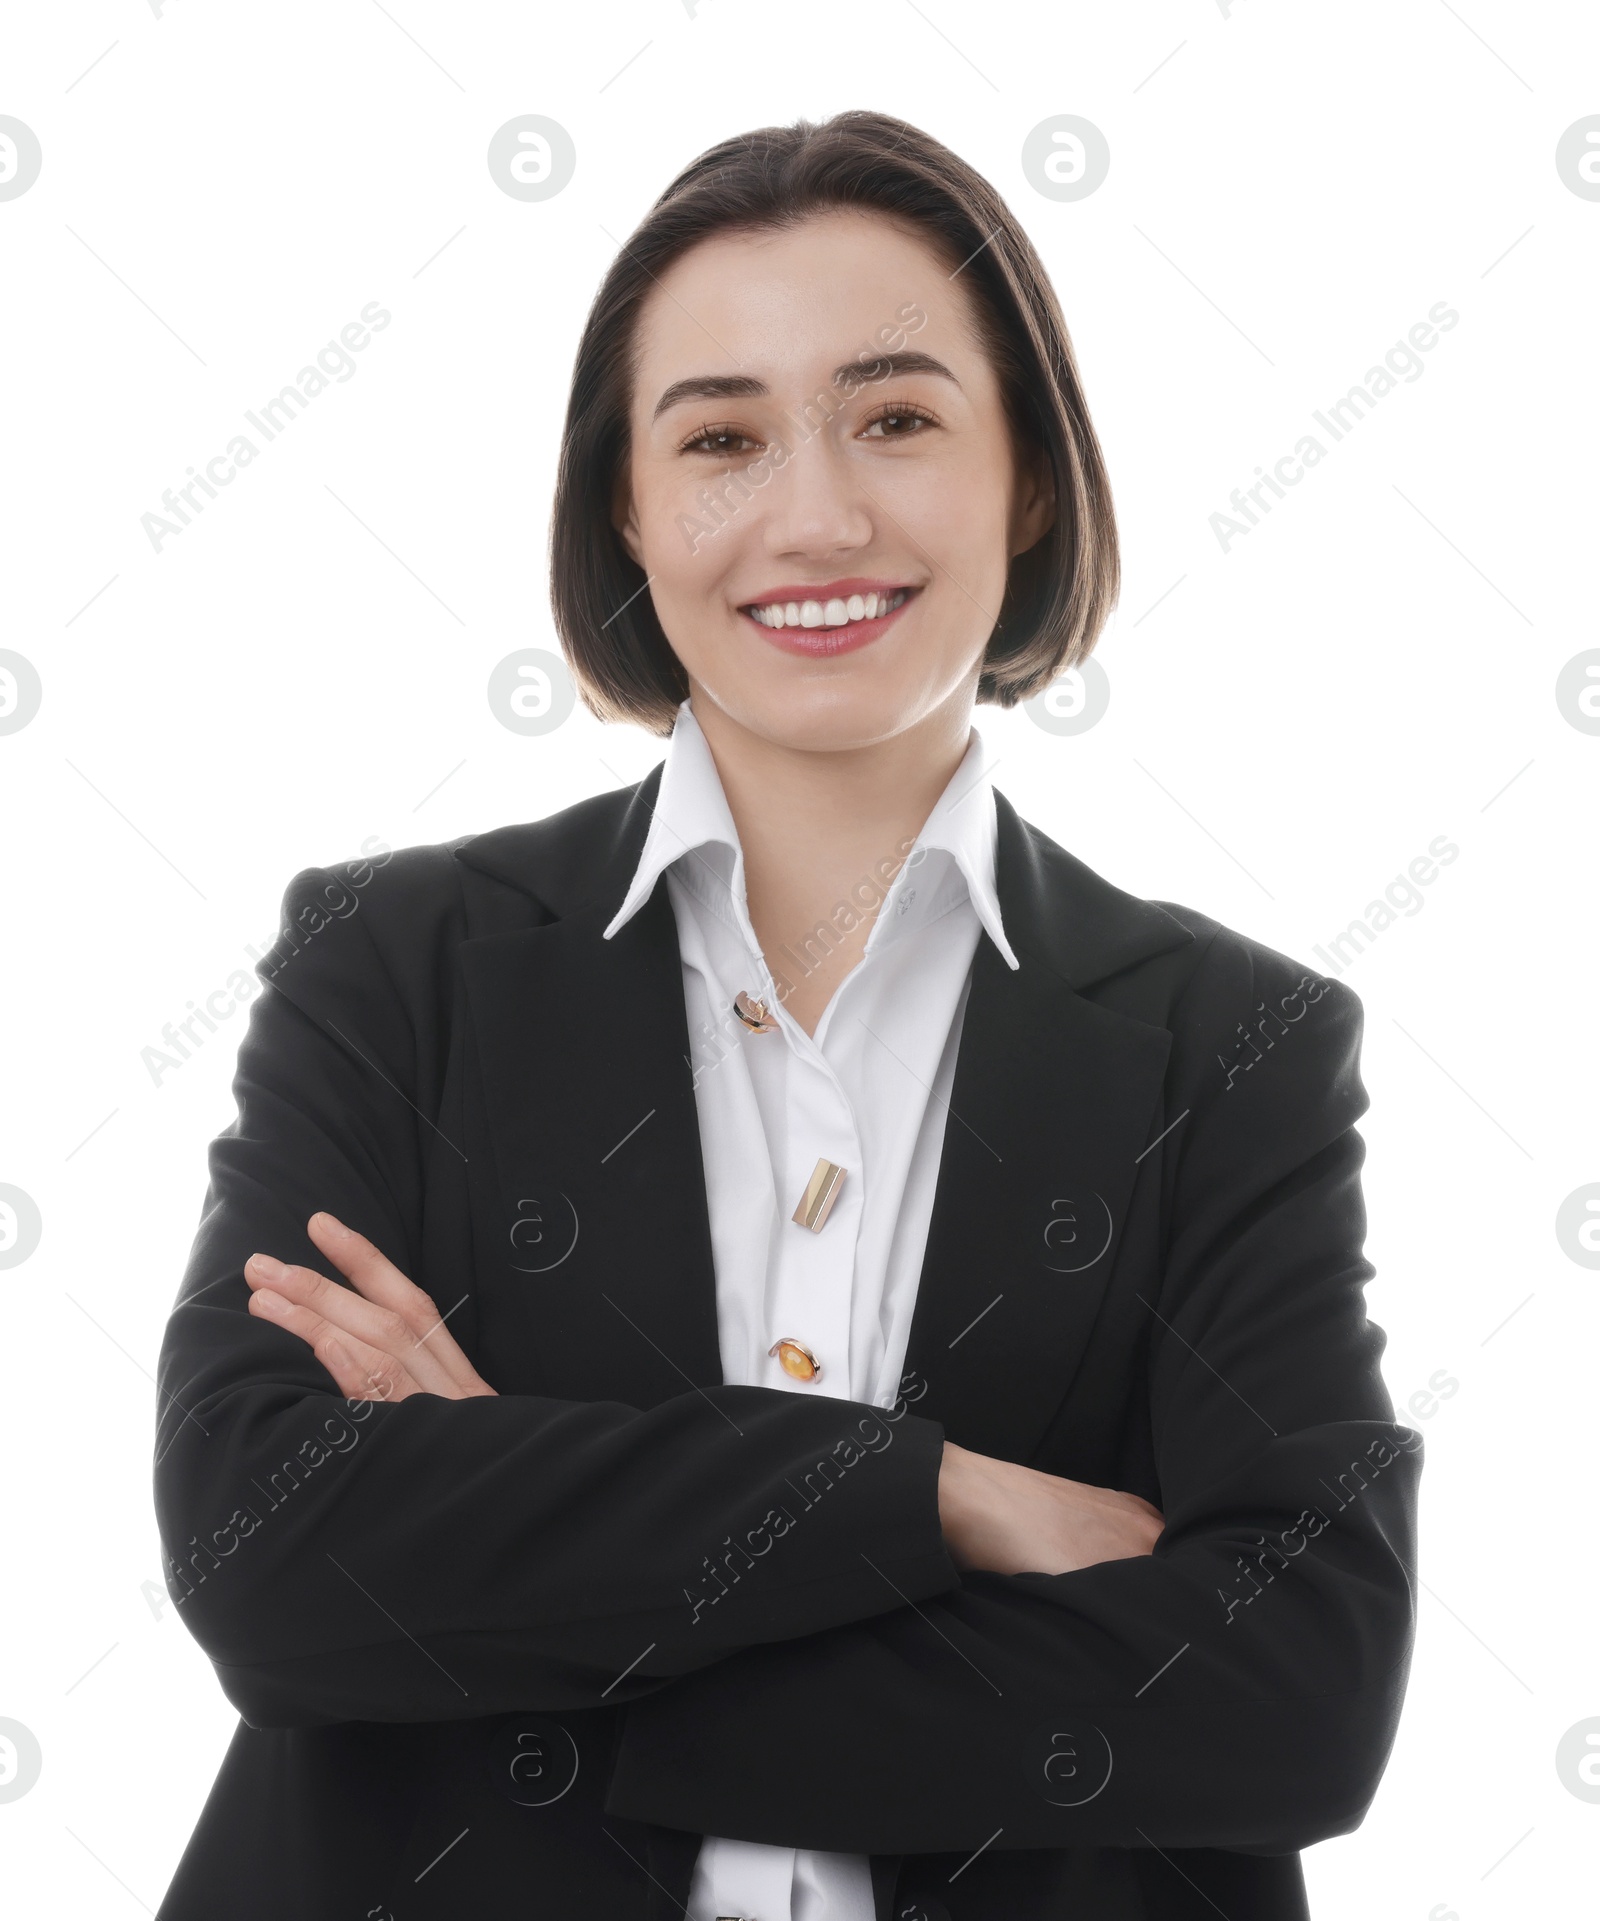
1292, 721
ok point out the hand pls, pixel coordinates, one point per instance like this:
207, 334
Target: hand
1017, 1520
381, 1343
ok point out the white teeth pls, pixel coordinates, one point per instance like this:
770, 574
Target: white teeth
832, 613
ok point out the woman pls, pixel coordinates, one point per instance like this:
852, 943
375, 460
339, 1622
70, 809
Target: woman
856, 1394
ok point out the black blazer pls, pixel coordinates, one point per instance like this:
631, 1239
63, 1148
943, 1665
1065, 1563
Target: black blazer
518, 1653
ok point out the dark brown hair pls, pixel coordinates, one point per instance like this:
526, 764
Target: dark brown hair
1058, 594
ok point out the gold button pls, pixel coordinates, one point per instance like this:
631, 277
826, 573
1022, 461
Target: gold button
822, 1190
754, 1013
795, 1358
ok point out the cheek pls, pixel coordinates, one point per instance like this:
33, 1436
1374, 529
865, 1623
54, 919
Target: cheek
686, 549
954, 510
962, 535
690, 524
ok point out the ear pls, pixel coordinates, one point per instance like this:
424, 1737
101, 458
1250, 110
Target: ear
624, 518
1033, 509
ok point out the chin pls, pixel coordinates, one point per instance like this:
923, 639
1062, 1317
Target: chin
824, 713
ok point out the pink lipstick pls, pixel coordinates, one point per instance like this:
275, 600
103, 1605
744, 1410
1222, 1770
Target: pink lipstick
833, 617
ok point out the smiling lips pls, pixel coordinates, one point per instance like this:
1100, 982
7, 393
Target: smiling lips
831, 622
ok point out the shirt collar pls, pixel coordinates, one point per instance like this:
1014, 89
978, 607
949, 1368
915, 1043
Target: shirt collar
692, 824
964, 824
691, 814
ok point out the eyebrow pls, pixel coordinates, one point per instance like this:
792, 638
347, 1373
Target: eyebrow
748, 386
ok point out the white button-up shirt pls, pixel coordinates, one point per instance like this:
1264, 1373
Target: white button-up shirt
868, 1091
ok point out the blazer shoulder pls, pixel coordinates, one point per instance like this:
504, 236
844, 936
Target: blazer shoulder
395, 917
402, 887
1234, 1004
547, 860
560, 862
1221, 985
1159, 961
382, 921
1224, 962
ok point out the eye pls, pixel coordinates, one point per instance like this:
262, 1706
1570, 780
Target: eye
714, 440
909, 422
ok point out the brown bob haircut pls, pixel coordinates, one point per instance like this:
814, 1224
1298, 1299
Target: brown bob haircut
1058, 594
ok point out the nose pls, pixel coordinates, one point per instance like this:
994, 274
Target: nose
816, 504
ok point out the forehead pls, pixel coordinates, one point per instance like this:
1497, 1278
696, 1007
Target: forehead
792, 302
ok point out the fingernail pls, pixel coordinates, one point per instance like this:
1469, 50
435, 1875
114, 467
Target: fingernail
265, 1268
266, 1302
328, 1224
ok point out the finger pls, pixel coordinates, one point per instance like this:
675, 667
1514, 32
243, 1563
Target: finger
377, 1277
360, 1372
377, 1327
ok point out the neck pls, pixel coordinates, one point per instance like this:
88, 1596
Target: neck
820, 828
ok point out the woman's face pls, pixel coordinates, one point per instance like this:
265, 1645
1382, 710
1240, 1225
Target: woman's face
763, 476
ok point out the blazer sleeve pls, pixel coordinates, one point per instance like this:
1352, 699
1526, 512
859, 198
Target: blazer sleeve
433, 1559
1238, 1688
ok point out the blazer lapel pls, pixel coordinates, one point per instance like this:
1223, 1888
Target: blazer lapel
598, 1206
1050, 1112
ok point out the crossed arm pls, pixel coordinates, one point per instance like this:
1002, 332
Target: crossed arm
382, 1339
